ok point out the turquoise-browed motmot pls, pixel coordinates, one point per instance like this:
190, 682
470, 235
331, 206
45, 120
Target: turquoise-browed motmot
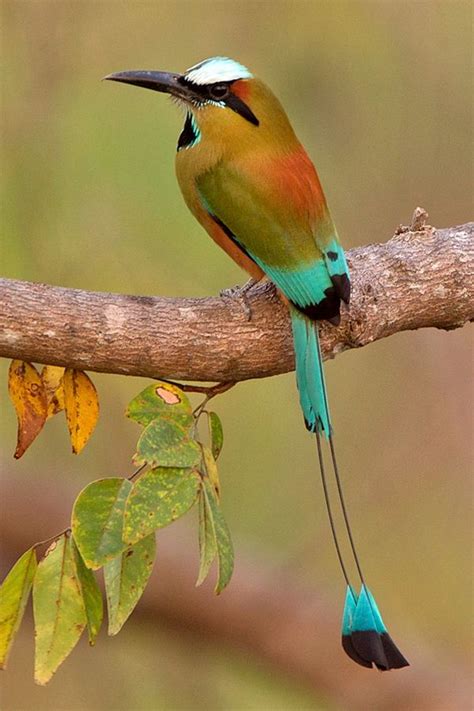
248, 180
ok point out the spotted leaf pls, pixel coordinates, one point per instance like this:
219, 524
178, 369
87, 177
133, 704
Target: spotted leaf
161, 400
158, 498
125, 579
97, 520
167, 443
52, 377
28, 395
58, 605
81, 405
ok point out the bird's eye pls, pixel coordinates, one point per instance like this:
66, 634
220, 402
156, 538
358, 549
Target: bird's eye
219, 91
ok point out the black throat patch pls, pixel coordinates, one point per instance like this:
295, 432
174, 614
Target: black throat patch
190, 135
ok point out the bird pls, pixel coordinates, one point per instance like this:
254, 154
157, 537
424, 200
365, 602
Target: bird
248, 180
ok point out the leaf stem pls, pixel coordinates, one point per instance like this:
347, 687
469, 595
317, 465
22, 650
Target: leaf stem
52, 538
136, 472
211, 392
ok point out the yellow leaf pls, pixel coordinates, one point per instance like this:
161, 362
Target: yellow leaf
28, 395
52, 376
82, 407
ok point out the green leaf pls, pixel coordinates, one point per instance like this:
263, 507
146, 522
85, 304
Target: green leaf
166, 443
225, 551
216, 433
125, 579
159, 497
211, 468
158, 400
14, 594
91, 595
60, 616
97, 520
207, 540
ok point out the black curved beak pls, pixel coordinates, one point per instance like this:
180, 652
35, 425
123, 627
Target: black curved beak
165, 82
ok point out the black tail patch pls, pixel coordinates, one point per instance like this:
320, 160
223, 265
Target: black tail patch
368, 645
369, 648
395, 658
329, 308
349, 649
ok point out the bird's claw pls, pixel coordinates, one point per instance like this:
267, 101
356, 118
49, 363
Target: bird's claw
240, 294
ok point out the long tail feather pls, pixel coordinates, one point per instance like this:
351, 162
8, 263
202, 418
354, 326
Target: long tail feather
364, 636
329, 510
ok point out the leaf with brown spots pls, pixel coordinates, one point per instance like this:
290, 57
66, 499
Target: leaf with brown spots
125, 579
52, 377
97, 520
81, 405
161, 400
157, 499
58, 605
167, 443
28, 395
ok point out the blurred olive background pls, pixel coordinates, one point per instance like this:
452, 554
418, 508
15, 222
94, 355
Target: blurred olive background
379, 92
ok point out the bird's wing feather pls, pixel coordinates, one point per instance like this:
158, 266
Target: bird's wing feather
279, 217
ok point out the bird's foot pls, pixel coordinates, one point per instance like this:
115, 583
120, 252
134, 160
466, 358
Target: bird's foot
240, 294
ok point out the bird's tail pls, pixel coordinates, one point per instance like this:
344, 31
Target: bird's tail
309, 374
364, 635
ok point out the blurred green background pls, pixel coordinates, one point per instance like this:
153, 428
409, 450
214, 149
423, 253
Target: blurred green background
379, 94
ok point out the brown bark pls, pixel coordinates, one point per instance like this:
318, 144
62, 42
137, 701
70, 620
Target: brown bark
422, 277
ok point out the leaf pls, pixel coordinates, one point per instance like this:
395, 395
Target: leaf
211, 468
28, 396
207, 540
125, 579
161, 400
58, 606
52, 376
91, 595
216, 433
81, 405
167, 443
14, 594
97, 520
159, 497
225, 551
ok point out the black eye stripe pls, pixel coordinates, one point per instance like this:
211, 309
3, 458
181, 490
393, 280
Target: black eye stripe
207, 92
241, 108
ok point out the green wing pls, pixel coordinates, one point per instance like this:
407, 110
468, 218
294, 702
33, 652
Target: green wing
275, 235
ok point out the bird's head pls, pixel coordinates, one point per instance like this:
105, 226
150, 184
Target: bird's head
224, 102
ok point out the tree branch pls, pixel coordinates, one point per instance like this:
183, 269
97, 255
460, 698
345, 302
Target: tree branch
422, 277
